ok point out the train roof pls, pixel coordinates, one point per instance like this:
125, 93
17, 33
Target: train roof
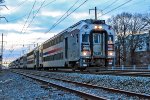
87, 21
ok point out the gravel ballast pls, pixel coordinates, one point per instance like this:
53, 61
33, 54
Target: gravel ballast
128, 83
17, 87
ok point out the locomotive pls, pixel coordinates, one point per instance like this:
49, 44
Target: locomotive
86, 44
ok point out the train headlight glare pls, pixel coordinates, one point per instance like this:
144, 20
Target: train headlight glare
84, 53
110, 53
98, 27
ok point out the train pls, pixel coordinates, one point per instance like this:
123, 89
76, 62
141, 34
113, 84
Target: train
87, 44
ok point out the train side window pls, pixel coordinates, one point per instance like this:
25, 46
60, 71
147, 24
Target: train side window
77, 38
85, 37
55, 41
52, 42
61, 38
48, 44
110, 38
58, 40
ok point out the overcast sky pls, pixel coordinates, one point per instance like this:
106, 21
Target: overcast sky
30, 20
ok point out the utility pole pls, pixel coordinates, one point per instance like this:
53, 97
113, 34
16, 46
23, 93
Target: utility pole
95, 12
149, 41
1, 17
1, 56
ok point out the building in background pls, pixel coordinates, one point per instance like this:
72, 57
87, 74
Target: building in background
137, 49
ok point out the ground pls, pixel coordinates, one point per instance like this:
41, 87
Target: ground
17, 87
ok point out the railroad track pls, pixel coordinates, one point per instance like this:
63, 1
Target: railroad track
125, 73
108, 72
145, 73
85, 95
113, 72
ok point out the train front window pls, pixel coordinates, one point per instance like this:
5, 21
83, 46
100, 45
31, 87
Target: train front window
97, 38
85, 37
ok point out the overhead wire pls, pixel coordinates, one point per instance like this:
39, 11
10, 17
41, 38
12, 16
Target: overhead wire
19, 4
28, 15
30, 12
109, 5
66, 16
49, 3
35, 15
115, 8
133, 5
33, 11
65, 13
60, 19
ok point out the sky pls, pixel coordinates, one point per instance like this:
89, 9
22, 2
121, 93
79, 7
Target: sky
30, 22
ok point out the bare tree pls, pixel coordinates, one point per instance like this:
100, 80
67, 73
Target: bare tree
137, 26
127, 26
120, 23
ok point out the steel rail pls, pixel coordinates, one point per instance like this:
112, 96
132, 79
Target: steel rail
140, 95
84, 95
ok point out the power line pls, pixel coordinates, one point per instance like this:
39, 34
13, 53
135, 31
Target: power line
35, 15
65, 13
20, 4
109, 5
116, 8
135, 4
59, 21
28, 15
66, 16
33, 11
48, 3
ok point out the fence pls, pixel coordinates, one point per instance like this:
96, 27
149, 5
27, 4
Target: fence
130, 67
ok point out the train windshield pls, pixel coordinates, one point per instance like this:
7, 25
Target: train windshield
97, 38
85, 37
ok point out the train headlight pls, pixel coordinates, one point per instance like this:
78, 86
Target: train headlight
110, 53
86, 53
98, 27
